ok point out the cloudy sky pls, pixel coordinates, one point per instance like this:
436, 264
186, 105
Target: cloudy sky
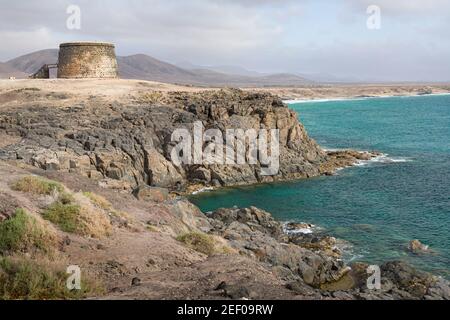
298, 36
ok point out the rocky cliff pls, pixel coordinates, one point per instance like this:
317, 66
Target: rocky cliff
126, 145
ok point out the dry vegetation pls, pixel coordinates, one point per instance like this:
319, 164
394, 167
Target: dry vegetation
76, 214
24, 233
83, 214
29, 258
98, 200
39, 279
37, 185
94, 221
118, 217
204, 243
28, 262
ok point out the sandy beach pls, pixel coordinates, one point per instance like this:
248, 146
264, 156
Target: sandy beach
139, 89
355, 91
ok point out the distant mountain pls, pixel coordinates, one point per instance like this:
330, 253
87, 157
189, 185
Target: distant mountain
233, 70
32, 62
330, 78
148, 68
284, 78
7, 71
237, 70
144, 67
141, 66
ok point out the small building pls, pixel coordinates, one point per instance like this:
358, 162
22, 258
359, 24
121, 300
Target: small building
44, 71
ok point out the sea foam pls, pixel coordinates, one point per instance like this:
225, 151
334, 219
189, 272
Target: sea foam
384, 159
203, 190
297, 101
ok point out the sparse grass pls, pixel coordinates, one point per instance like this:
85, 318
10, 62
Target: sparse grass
76, 214
98, 200
223, 247
73, 213
66, 216
199, 242
23, 278
66, 198
37, 185
121, 217
152, 229
152, 97
27, 89
94, 222
23, 233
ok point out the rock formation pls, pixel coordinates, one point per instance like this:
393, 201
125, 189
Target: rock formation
417, 247
130, 145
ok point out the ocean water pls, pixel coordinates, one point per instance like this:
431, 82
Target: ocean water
379, 206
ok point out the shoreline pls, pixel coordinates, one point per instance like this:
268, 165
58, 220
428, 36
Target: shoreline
357, 98
354, 91
375, 157
348, 251
302, 228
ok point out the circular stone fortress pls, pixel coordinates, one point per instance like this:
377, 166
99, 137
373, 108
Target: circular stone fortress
81, 60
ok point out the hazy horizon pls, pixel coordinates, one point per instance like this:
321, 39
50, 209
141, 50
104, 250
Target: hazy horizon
270, 36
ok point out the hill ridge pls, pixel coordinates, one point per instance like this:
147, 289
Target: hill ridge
145, 67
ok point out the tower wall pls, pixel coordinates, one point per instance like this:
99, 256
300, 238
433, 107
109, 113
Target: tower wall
87, 60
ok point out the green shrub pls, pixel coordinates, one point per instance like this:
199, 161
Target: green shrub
22, 278
22, 233
74, 213
66, 216
66, 198
37, 185
199, 242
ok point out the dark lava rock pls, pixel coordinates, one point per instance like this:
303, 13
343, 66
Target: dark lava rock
136, 282
131, 144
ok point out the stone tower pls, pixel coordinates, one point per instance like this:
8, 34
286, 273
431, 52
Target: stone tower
79, 60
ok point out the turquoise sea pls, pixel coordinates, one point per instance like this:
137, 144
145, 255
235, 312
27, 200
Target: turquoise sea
378, 207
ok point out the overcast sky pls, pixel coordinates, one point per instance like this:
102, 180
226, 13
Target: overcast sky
301, 36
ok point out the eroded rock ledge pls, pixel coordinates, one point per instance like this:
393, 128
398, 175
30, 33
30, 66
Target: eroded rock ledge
126, 145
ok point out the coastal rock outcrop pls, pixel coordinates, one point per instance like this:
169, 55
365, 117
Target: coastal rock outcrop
417, 247
399, 281
130, 145
254, 233
311, 266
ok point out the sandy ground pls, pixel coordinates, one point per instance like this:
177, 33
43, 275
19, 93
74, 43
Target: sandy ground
356, 91
112, 90
109, 87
